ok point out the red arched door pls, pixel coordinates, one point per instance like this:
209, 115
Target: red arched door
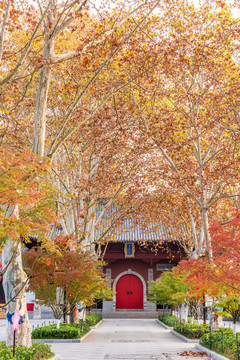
129, 291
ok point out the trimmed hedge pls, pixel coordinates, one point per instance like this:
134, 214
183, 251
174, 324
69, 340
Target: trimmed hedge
93, 319
169, 320
37, 351
191, 331
223, 341
70, 331
195, 331
51, 332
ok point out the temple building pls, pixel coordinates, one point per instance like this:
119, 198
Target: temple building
134, 253
137, 254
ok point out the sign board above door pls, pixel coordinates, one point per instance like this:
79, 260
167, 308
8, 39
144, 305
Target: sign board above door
164, 267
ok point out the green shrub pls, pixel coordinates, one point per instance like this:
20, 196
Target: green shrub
224, 330
191, 331
223, 341
82, 326
93, 319
43, 351
36, 352
70, 331
51, 332
169, 320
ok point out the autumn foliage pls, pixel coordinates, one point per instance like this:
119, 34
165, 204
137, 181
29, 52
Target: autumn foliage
136, 104
221, 275
24, 181
64, 275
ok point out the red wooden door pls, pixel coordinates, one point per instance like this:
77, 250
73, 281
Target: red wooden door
129, 291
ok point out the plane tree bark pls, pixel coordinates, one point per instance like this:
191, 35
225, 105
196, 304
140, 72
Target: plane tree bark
54, 19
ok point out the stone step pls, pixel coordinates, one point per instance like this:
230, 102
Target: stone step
130, 315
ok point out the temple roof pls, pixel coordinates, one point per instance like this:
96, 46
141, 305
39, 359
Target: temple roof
117, 225
130, 229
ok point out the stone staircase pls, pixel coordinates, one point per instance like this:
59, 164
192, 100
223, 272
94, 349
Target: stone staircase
128, 314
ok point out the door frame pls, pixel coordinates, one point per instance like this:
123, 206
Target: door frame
130, 272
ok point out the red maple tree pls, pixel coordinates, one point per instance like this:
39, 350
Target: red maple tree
64, 275
221, 275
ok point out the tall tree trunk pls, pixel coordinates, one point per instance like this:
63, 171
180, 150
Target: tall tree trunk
14, 284
74, 315
43, 85
204, 215
14, 280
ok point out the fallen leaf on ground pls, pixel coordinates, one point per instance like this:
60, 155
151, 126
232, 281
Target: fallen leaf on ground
193, 353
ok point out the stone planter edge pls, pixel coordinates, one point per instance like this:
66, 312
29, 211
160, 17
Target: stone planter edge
97, 325
184, 338
212, 353
54, 341
55, 357
164, 325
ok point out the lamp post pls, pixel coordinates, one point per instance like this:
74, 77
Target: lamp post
64, 306
204, 310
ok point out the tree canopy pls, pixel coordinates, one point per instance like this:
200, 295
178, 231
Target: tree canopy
133, 102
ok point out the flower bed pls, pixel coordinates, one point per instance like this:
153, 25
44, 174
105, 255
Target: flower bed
37, 351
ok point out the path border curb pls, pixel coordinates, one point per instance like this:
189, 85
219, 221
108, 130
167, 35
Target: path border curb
55, 357
55, 341
164, 325
86, 335
97, 325
180, 336
211, 352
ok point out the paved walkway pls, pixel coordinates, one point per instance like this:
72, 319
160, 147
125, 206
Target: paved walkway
122, 339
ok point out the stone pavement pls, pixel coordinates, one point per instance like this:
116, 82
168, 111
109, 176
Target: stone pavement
126, 339
122, 339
